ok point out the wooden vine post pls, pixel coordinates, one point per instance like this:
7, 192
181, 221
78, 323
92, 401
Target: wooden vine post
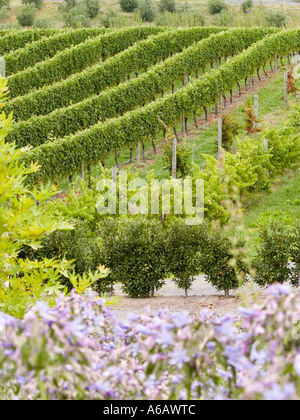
220, 129
184, 119
138, 154
276, 63
266, 141
174, 158
256, 109
114, 173
285, 89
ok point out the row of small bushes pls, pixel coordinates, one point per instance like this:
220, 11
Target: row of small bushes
62, 157
93, 80
46, 48
138, 91
141, 254
76, 59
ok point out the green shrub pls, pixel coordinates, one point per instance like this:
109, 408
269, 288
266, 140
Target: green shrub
295, 255
285, 147
24, 281
108, 19
93, 7
129, 5
167, 6
4, 3
247, 6
80, 245
147, 10
78, 17
67, 5
38, 3
273, 252
183, 155
216, 6
134, 250
276, 19
44, 23
183, 243
27, 14
5, 13
230, 129
215, 257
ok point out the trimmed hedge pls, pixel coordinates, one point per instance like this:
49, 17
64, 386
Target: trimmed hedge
64, 157
13, 40
93, 80
46, 48
124, 97
76, 59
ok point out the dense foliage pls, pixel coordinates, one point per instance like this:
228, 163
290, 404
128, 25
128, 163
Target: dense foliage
24, 221
137, 91
103, 75
75, 59
60, 158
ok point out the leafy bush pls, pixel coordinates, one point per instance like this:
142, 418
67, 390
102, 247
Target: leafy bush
43, 23
216, 6
167, 6
5, 13
108, 19
147, 10
25, 220
183, 19
276, 19
78, 17
251, 119
271, 262
247, 5
183, 243
154, 356
38, 3
134, 251
93, 7
129, 5
230, 129
215, 257
67, 5
4, 3
183, 155
26, 16
277, 258
294, 265
284, 143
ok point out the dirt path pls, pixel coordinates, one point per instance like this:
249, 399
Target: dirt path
201, 296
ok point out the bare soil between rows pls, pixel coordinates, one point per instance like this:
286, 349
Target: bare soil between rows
201, 296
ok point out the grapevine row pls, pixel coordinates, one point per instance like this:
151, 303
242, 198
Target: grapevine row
46, 48
12, 40
64, 157
124, 97
94, 79
76, 59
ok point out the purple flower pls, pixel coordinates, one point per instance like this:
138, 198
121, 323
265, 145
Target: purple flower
277, 393
143, 329
178, 358
277, 290
181, 319
165, 338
